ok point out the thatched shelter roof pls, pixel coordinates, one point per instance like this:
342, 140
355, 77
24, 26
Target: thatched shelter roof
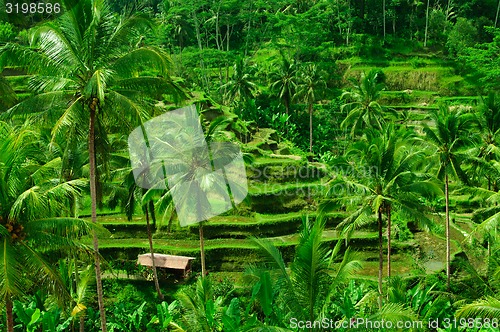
166, 261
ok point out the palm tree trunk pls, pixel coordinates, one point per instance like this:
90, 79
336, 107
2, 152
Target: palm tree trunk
287, 109
448, 263
150, 240
310, 127
153, 214
380, 258
202, 251
10, 316
93, 198
82, 323
388, 241
170, 222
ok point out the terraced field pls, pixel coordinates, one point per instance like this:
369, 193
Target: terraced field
284, 188
228, 243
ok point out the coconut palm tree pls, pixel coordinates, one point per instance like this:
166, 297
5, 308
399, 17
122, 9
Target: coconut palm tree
489, 129
488, 306
284, 82
33, 217
307, 290
240, 87
310, 86
447, 139
134, 196
386, 179
364, 110
85, 68
193, 173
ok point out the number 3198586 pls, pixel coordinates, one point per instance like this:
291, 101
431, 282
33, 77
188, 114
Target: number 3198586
32, 8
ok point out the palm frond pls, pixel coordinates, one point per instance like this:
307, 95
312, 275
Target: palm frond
11, 270
488, 307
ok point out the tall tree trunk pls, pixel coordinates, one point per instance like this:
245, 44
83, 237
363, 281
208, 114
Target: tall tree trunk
496, 16
10, 315
448, 249
249, 28
394, 21
389, 241
287, 106
380, 258
82, 323
202, 251
93, 198
383, 15
349, 23
426, 23
153, 214
170, 222
200, 46
339, 20
310, 127
151, 250
287, 109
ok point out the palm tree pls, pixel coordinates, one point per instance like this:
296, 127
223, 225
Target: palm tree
488, 306
489, 129
198, 314
33, 217
387, 181
85, 66
311, 83
135, 195
240, 87
364, 111
194, 168
308, 289
285, 82
447, 138
77, 282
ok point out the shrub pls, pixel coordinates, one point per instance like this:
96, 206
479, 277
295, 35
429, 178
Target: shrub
462, 35
6, 32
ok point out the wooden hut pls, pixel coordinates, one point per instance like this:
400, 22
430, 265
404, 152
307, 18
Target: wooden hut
171, 263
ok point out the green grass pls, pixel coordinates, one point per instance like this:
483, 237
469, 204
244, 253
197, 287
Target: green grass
193, 245
414, 93
414, 107
399, 68
271, 161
